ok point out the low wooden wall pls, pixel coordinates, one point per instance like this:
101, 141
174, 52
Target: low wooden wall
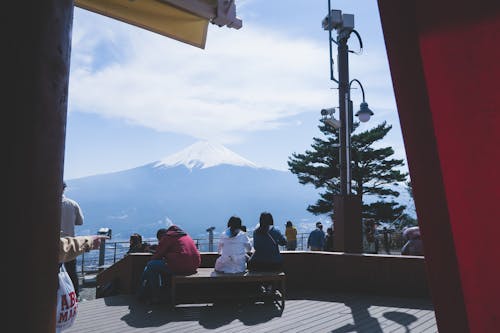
305, 270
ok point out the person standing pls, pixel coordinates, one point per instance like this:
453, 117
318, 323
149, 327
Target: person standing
329, 239
387, 241
71, 216
370, 241
316, 239
67, 301
291, 236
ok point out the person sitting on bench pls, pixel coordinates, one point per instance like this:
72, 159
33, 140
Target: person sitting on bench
176, 254
267, 256
137, 245
234, 245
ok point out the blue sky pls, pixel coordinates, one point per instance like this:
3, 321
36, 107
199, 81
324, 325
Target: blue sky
136, 97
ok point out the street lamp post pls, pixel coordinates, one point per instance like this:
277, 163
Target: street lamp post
346, 206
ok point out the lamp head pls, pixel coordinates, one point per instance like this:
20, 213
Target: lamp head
364, 112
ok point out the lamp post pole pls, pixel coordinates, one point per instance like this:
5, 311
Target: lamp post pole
346, 206
345, 130
348, 236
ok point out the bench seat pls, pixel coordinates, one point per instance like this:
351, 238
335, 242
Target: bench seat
210, 278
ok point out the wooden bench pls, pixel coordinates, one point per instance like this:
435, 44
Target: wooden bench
208, 278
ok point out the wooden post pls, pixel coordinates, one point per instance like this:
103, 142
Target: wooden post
35, 71
347, 235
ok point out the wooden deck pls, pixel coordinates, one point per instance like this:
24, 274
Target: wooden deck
312, 312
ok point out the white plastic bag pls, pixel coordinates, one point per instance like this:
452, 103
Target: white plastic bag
67, 303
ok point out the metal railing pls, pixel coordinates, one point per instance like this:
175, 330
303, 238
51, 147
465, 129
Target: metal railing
111, 252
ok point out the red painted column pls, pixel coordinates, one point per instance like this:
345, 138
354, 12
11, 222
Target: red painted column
35, 71
445, 64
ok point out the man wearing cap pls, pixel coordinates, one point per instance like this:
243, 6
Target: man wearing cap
316, 240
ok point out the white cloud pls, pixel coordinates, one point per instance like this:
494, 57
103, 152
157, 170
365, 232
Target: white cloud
244, 81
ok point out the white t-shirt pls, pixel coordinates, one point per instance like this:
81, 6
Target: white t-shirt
71, 215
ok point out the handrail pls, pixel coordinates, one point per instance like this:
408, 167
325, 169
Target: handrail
115, 251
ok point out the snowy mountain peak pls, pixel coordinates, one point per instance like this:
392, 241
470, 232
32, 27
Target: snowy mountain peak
204, 154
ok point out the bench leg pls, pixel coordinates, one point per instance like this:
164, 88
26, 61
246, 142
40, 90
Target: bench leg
280, 294
283, 294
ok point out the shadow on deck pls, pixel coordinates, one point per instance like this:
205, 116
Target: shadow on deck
332, 312
326, 292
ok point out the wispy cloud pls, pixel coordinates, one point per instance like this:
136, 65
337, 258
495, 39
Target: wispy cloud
244, 81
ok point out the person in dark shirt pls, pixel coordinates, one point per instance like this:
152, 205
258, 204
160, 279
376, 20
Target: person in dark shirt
316, 239
266, 239
137, 245
329, 239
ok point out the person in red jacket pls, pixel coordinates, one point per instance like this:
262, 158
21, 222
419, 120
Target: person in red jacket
176, 254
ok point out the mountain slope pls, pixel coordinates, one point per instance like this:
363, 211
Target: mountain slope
196, 188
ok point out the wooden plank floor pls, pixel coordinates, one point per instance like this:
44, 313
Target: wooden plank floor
335, 313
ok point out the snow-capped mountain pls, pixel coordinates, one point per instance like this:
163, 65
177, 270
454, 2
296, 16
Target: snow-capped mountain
204, 154
198, 187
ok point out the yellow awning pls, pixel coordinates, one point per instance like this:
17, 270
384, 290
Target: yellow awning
155, 16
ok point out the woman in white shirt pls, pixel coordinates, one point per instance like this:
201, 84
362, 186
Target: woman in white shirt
234, 245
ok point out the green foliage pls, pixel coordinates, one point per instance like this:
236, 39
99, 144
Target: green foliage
409, 188
372, 169
383, 210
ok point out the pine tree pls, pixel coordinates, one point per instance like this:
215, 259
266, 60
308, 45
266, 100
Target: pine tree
373, 170
407, 220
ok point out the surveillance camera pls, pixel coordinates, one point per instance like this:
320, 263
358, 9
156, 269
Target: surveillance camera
332, 122
327, 112
348, 21
332, 21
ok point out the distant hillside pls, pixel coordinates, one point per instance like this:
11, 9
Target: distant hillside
199, 187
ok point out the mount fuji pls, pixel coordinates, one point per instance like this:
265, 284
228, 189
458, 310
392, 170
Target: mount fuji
196, 188
202, 155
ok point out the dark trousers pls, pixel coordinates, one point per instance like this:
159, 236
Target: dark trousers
155, 280
71, 269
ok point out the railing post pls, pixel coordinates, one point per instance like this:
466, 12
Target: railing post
102, 252
114, 253
83, 261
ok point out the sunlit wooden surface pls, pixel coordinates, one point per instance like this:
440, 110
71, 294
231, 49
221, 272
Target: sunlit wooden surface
310, 312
